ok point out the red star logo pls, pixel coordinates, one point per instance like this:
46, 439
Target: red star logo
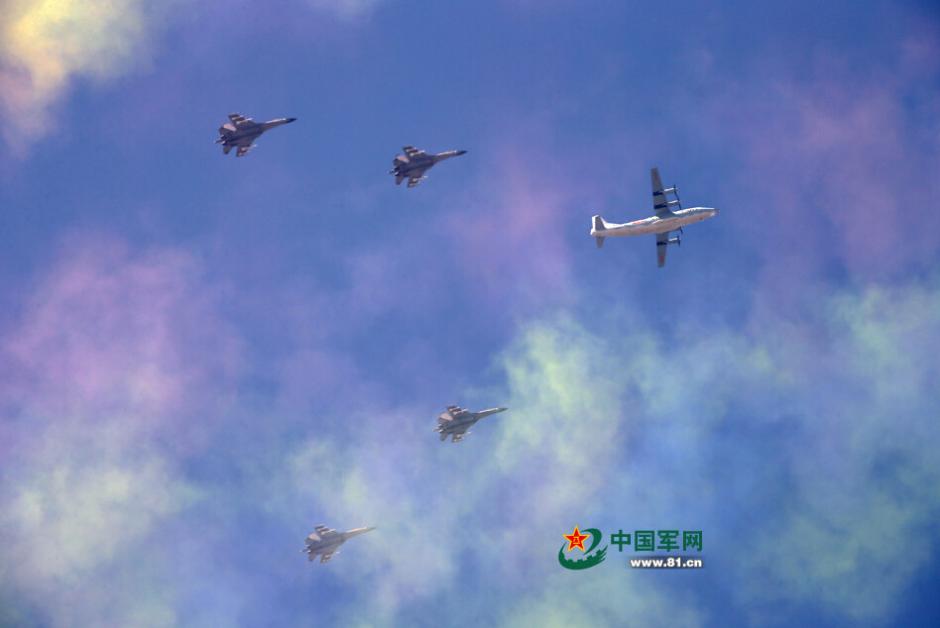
575, 539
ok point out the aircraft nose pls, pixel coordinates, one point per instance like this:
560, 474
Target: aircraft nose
290, 119
461, 152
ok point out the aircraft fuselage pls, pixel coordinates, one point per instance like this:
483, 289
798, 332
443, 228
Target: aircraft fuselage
230, 134
657, 224
329, 542
417, 165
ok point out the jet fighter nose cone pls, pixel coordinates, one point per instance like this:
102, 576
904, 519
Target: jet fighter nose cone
290, 119
461, 152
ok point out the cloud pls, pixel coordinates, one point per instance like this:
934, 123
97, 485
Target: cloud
117, 369
804, 497
864, 478
47, 44
130, 449
511, 237
831, 483
496, 508
602, 600
834, 158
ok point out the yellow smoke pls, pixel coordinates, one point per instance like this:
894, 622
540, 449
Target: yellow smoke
45, 44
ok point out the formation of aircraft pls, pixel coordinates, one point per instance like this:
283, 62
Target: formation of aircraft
415, 162
669, 216
324, 542
456, 421
664, 222
241, 132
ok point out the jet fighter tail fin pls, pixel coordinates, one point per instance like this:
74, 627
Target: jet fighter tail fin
599, 225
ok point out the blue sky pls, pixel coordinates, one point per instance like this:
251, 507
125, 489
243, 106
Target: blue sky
201, 358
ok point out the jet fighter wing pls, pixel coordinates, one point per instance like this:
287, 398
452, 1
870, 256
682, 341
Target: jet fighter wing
239, 120
662, 244
322, 529
411, 151
413, 181
326, 556
242, 151
452, 412
660, 202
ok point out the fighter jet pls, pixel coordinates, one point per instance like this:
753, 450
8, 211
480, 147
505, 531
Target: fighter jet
665, 221
326, 541
415, 162
242, 132
456, 421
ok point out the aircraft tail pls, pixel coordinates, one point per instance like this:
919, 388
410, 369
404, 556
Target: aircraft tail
599, 226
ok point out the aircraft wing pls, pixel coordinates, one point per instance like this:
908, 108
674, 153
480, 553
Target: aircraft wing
238, 119
322, 529
326, 556
662, 244
660, 202
451, 413
413, 181
242, 151
411, 152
